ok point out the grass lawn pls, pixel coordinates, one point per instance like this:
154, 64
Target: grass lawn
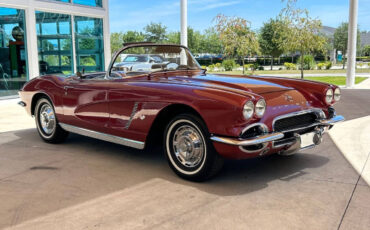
266, 72
334, 80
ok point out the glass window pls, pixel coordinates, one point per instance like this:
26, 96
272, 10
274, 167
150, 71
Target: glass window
13, 51
89, 44
89, 2
144, 59
54, 40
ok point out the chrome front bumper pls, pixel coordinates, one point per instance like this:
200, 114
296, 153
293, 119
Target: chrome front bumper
271, 136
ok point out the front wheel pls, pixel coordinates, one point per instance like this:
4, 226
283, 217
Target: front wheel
189, 150
47, 123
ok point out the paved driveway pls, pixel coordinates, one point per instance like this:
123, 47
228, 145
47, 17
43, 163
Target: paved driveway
91, 184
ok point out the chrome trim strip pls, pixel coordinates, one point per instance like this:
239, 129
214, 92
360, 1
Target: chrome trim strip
264, 127
333, 120
103, 136
133, 112
22, 103
253, 151
252, 141
307, 147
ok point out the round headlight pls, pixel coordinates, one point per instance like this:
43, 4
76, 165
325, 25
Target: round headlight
329, 96
260, 107
248, 110
337, 94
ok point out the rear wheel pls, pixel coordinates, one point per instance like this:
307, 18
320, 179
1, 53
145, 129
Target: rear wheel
47, 123
189, 150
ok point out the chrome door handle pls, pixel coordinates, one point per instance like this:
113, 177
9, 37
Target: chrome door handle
68, 87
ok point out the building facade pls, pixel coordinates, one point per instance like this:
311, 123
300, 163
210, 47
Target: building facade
39, 37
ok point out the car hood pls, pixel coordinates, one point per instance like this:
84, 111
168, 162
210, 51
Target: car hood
231, 83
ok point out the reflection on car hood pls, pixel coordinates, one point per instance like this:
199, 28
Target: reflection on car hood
232, 83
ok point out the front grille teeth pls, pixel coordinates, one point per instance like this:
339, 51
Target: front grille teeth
293, 122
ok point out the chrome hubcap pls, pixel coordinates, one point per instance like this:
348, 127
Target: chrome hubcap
188, 146
47, 119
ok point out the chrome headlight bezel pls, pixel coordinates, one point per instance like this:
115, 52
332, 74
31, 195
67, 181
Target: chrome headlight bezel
337, 94
248, 110
329, 96
260, 108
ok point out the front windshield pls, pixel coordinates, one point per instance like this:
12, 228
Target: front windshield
153, 58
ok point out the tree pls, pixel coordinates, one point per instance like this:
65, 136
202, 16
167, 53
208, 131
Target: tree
194, 39
155, 32
301, 32
211, 42
269, 37
115, 42
366, 50
133, 36
341, 40
118, 39
237, 37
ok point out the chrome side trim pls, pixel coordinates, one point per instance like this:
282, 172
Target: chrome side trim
103, 136
252, 141
133, 112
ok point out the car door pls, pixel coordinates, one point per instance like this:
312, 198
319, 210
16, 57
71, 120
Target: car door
85, 103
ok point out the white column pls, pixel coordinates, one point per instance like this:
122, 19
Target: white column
184, 22
106, 34
352, 43
31, 43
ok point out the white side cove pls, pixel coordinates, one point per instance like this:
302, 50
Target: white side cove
103, 136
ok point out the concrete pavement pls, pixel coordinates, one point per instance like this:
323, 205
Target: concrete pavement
86, 183
317, 75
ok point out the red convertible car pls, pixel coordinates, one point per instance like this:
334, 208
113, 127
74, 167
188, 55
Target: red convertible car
200, 118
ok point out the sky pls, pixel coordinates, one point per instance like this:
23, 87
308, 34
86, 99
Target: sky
135, 14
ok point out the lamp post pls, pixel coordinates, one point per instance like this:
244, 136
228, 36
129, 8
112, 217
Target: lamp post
352, 43
184, 22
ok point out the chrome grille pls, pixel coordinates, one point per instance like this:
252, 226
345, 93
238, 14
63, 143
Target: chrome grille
294, 122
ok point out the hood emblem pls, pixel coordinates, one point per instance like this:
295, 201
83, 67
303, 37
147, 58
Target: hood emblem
288, 98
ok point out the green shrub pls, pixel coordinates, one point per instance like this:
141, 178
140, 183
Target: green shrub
328, 65
248, 66
324, 65
308, 62
229, 64
290, 66
321, 65
218, 65
211, 68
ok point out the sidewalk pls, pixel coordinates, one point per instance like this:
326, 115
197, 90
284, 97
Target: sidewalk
317, 75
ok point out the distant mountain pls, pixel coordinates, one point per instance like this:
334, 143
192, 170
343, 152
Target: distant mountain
328, 31
365, 35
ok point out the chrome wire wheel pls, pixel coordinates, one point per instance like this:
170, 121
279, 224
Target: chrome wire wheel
47, 119
188, 146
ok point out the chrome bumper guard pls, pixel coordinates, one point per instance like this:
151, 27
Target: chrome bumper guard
271, 136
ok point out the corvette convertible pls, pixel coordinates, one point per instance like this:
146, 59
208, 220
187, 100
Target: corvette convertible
199, 119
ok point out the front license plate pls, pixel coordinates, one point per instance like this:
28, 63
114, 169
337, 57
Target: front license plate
307, 139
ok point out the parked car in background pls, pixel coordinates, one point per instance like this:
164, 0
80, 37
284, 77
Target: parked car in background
199, 118
139, 62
